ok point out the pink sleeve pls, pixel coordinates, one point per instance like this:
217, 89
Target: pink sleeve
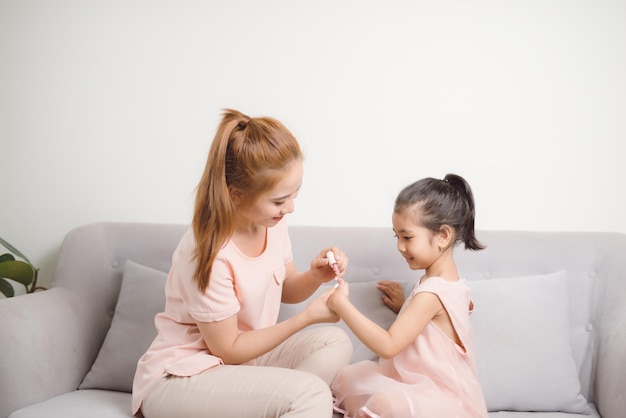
219, 301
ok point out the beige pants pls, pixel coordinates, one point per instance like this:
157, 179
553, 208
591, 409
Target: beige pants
293, 381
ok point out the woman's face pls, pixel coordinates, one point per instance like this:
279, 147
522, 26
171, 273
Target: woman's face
273, 205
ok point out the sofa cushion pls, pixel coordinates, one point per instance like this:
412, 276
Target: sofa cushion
142, 296
524, 360
92, 403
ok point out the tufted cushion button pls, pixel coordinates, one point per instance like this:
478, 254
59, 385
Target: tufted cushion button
376, 271
115, 264
588, 327
592, 274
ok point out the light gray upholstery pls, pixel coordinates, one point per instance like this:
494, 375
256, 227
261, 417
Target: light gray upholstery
49, 340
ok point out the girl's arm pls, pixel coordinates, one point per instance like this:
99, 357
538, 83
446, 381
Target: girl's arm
298, 286
225, 340
407, 326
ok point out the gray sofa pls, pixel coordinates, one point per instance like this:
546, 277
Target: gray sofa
549, 323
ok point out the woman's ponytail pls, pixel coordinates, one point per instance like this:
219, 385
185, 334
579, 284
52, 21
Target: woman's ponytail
213, 219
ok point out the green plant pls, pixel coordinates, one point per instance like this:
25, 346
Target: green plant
21, 271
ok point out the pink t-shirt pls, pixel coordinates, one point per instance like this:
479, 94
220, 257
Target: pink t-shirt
248, 287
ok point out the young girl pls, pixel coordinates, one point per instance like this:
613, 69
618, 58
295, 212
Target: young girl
427, 365
229, 274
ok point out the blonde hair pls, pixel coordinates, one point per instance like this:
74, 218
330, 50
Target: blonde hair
247, 155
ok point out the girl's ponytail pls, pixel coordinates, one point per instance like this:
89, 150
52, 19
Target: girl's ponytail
465, 225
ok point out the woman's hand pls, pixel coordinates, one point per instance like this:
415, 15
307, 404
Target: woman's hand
321, 268
393, 294
318, 311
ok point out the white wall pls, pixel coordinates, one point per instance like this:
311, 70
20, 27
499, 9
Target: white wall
107, 108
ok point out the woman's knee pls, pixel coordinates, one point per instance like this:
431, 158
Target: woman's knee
310, 396
331, 350
336, 339
332, 334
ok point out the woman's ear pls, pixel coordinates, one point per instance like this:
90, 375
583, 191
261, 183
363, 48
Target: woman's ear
236, 196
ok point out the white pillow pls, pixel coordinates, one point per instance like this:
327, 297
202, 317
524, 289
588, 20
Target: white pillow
523, 354
142, 296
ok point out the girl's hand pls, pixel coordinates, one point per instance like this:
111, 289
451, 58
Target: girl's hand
318, 311
321, 269
393, 294
341, 294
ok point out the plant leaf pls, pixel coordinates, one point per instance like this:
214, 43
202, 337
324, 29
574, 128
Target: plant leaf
13, 249
17, 270
6, 288
6, 257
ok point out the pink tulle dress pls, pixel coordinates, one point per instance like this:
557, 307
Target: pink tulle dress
433, 377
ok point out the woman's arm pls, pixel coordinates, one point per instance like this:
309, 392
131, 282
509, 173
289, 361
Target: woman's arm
225, 340
298, 286
386, 344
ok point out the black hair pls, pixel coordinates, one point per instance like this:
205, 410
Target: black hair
443, 202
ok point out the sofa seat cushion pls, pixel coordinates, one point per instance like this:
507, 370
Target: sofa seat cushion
592, 413
92, 403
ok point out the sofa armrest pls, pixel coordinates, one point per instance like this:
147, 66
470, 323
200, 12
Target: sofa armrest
611, 368
44, 349
611, 357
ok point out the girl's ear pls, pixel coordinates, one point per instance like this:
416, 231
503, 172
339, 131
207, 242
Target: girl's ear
445, 237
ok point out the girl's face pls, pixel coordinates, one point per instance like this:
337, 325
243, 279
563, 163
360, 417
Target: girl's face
274, 204
417, 244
